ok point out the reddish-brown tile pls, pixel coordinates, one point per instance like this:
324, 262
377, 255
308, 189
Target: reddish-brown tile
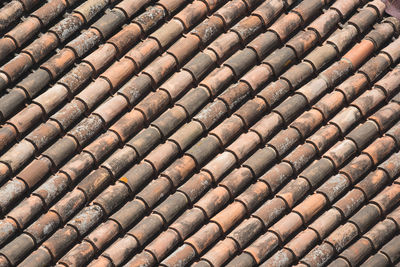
175, 216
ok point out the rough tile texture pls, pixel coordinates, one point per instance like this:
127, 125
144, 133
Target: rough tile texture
199, 132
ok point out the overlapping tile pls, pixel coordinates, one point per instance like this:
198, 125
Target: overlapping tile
205, 132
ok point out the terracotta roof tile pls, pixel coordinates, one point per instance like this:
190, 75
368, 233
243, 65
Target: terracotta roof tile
204, 132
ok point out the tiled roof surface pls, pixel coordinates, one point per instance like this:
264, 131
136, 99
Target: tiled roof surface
204, 132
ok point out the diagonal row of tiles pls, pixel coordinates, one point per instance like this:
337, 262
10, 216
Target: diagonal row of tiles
299, 152
203, 233
119, 99
42, 46
332, 187
136, 111
44, 133
387, 255
31, 85
227, 102
37, 20
14, 180
76, 108
155, 189
154, 186
386, 229
13, 10
225, 219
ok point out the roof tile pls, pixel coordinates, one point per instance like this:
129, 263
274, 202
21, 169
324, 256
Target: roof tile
189, 159
10, 12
